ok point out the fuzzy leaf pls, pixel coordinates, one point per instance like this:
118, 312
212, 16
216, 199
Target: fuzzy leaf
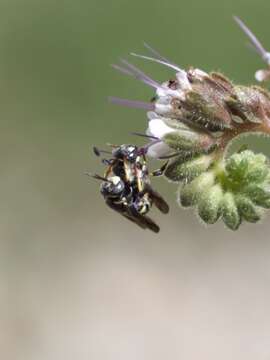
248, 210
209, 204
230, 214
259, 194
182, 170
189, 193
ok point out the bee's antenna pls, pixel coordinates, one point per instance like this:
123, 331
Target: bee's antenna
98, 152
97, 177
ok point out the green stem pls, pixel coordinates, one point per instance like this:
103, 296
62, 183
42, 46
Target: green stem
229, 135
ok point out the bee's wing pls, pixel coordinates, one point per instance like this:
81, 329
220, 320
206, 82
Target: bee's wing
122, 210
142, 220
158, 200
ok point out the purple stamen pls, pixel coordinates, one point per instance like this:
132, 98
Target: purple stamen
157, 54
137, 73
254, 41
122, 70
132, 103
136, 76
174, 67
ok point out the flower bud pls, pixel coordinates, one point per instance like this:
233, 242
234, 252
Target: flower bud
248, 103
209, 205
230, 214
247, 167
206, 108
188, 140
176, 136
189, 194
259, 194
193, 117
247, 209
183, 169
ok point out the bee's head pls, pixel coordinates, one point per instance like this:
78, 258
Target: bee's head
128, 152
114, 187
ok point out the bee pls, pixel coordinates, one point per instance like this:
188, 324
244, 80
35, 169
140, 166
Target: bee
126, 186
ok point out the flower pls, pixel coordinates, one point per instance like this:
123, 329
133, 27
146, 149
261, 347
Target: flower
177, 109
192, 119
236, 190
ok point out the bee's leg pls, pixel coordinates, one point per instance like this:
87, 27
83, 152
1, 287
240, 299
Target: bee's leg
110, 164
113, 145
106, 162
160, 171
98, 153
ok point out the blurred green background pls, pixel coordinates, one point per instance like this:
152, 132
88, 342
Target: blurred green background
76, 280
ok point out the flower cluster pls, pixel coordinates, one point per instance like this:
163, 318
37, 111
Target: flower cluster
192, 119
237, 189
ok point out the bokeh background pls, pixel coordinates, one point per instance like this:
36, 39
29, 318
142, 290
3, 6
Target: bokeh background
76, 280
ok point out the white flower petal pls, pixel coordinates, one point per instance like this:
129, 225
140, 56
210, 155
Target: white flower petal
164, 100
159, 149
152, 115
165, 93
266, 58
161, 91
176, 93
183, 80
199, 74
163, 109
260, 75
158, 128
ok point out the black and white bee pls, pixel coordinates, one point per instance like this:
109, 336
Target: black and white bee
126, 185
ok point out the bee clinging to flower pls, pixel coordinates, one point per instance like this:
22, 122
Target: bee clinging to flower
192, 119
126, 186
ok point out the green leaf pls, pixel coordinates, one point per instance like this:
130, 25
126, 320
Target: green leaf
230, 214
259, 194
209, 205
247, 209
189, 193
182, 170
